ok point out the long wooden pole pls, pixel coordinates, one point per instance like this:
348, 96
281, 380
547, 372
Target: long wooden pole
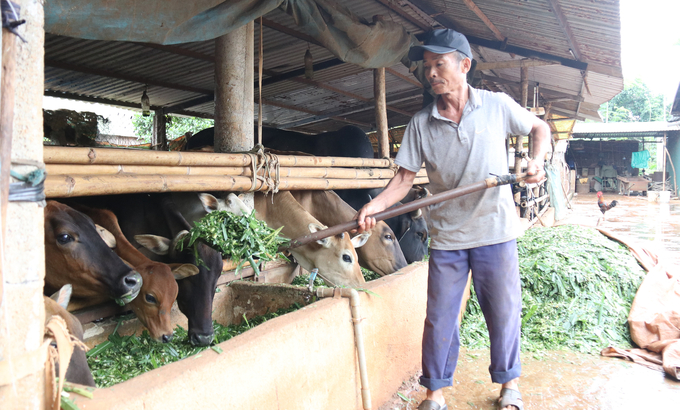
57, 186
307, 172
410, 206
118, 156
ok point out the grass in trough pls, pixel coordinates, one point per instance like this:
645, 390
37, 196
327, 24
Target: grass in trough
123, 357
577, 290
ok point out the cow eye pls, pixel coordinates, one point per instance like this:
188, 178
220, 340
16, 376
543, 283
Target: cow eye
420, 235
388, 237
64, 238
150, 298
347, 258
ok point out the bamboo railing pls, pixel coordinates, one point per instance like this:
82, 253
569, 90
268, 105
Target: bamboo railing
100, 171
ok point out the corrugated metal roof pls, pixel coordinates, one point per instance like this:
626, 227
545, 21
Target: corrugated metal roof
120, 71
581, 128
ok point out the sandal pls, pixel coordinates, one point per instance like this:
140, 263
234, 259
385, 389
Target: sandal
510, 397
431, 405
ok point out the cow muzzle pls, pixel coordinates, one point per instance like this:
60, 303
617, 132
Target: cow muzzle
134, 283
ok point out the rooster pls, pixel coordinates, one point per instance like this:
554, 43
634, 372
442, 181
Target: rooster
604, 207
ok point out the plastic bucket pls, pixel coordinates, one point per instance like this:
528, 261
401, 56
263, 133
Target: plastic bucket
664, 197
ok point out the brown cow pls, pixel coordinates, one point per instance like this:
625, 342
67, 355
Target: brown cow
381, 253
78, 370
76, 254
335, 257
159, 286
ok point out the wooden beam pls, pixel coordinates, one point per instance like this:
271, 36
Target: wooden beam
499, 65
405, 15
112, 74
159, 138
473, 7
496, 45
524, 90
403, 77
566, 28
544, 89
293, 33
312, 112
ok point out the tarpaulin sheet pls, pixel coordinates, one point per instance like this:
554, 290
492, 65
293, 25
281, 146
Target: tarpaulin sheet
349, 37
654, 317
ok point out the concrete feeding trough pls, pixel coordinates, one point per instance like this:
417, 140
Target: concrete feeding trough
306, 359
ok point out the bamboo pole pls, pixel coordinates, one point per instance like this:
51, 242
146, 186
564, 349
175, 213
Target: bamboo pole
381, 112
78, 185
117, 156
342, 173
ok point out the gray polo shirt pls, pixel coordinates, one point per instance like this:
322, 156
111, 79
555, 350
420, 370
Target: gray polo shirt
461, 154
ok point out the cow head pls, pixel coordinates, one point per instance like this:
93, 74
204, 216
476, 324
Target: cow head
412, 233
382, 253
231, 203
334, 256
159, 291
76, 254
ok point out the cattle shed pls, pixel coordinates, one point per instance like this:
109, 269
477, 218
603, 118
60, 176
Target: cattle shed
231, 60
614, 147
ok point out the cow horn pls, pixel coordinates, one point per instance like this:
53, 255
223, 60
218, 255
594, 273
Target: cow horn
417, 214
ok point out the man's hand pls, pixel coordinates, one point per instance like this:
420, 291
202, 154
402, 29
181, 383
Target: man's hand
367, 223
535, 171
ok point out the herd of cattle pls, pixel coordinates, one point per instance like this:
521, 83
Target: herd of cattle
122, 247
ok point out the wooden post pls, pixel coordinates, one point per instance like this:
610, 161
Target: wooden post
159, 138
381, 112
234, 90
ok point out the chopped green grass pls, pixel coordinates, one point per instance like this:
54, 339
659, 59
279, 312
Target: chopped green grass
125, 357
577, 290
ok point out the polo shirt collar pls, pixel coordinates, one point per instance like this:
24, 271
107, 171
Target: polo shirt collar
472, 103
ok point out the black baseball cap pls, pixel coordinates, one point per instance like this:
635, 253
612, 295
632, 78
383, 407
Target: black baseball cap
441, 41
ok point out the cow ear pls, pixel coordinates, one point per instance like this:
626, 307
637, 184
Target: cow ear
106, 236
325, 242
183, 270
360, 240
156, 244
209, 202
63, 296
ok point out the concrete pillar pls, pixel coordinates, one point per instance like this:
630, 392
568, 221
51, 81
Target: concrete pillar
22, 310
234, 78
379, 94
234, 93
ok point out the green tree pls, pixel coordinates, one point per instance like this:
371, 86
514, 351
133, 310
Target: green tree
635, 103
175, 128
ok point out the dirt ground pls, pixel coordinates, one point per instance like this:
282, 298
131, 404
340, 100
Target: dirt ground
568, 380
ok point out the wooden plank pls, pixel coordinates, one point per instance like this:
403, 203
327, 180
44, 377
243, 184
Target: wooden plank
499, 65
473, 7
566, 28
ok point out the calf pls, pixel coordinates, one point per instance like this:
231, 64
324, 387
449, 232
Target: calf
159, 287
381, 253
78, 370
335, 256
157, 214
76, 254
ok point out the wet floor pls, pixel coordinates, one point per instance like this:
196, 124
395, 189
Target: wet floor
567, 380
649, 223
554, 380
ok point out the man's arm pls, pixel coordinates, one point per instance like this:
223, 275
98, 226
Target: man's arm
541, 135
395, 191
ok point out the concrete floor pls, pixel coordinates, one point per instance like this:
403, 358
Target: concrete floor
567, 380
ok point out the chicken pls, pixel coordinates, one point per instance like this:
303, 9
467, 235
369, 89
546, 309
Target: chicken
604, 207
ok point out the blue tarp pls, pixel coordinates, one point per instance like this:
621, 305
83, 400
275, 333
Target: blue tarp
349, 37
639, 159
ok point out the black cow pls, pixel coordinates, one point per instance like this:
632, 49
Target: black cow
348, 141
156, 214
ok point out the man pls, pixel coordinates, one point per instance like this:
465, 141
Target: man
461, 139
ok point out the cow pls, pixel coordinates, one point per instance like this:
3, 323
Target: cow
381, 253
348, 141
410, 228
78, 370
159, 287
76, 254
334, 256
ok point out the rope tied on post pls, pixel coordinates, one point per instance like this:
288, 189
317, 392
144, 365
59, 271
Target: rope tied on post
270, 166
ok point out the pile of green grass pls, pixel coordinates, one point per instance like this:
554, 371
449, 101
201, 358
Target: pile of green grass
123, 357
577, 290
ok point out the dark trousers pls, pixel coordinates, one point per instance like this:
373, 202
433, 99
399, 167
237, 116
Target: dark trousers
495, 275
